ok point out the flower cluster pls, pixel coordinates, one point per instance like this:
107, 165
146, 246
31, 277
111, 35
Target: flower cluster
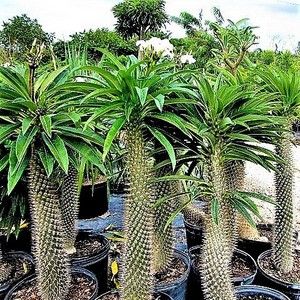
156, 47
187, 59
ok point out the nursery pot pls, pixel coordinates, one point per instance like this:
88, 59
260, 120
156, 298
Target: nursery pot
178, 288
93, 200
194, 234
160, 296
74, 271
290, 289
96, 263
195, 279
256, 290
5, 287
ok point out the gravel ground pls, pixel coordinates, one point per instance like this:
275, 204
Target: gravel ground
260, 180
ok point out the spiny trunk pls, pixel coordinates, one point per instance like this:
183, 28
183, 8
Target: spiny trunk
235, 179
215, 273
137, 279
164, 237
217, 249
53, 275
284, 241
70, 208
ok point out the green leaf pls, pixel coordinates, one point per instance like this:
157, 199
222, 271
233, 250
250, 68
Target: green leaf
47, 161
59, 151
159, 101
165, 143
23, 142
4, 162
112, 133
26, 124
6, 131
47, 124
142, 94
173, 119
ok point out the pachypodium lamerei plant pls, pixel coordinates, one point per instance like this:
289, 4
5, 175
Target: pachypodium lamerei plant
43, 137
166, 196
221, 124
134, 95
286, 87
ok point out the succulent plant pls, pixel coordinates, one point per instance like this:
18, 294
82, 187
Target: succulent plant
163, 230
285, 86
37, 123
48, 234
139, 92
69, 203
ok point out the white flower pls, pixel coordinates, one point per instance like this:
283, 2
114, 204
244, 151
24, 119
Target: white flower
161, 48
187, 59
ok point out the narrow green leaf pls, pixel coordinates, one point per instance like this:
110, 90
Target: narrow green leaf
159, 101
47, 124
47, 161
23, 142
112, 133
165, 143
142, 94
26, 124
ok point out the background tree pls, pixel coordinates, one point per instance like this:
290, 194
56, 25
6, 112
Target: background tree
18, 34
139, 17
190, 23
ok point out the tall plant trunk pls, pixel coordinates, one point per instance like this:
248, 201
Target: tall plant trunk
235, 179
53, 276
5, 268
137, 279
164, 236
70, 208
216, 250
284, 240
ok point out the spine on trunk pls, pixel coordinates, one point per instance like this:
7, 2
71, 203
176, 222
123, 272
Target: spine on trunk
137, 276
216, 250
53, 275
164, 236
284, 239
69, 202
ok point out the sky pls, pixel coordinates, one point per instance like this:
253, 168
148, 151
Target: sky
278, 20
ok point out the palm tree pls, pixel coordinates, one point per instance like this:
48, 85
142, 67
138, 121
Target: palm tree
223, 124
286, 87
37, 118
190, 23
133, 97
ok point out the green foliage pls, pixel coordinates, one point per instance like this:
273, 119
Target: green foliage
286, 87
18, 34
190, 23
200, 44
139, 17
92, 40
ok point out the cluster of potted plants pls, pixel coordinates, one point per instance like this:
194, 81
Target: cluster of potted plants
185, 139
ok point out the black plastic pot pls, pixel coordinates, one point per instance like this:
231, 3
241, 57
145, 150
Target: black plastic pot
93, 200
255, 248
97, 263
290, 289
194, 234
5, 287
256, 290
162, 296
177, 289
75, 270
195, 278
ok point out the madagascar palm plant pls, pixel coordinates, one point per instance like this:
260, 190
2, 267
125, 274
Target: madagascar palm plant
132, 97
223, 124
286, 87
42, 123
